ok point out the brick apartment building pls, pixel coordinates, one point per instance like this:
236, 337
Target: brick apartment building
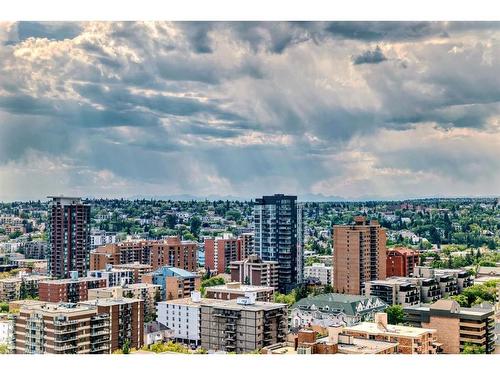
73, 290
455, 326
254, 271
168, 252
246, 245
69, 237
126, 320
359, 255
149, 293
220, 252
411, 340
401, 261
61, 329
175, 282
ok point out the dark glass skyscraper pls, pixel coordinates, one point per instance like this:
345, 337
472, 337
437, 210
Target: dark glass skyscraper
69, 237
279, 237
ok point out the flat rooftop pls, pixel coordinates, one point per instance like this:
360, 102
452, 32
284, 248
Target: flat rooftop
224, 304
239, 288
365, 346
70, 280
110, 301
393, 330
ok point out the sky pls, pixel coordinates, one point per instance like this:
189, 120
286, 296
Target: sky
351, 110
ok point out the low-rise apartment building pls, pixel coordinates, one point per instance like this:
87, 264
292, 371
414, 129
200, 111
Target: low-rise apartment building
20, 287
410, 340
74, 289
254, 271
393, 291
234, 290
334, 309
126, 320
455, 326
242, 325
175, 282
451, 281
52, 328
401, 261
138, 270
171, 251
149, 293
113, 276
319, 271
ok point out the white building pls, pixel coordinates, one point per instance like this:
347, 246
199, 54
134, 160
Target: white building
182, 316
6, 330
101, 238
113, 276
319, 271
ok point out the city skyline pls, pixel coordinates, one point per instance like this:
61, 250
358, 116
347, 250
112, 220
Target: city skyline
346, 110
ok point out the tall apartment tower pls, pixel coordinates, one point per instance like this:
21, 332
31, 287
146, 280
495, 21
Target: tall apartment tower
69, 237
359, 255
279, 237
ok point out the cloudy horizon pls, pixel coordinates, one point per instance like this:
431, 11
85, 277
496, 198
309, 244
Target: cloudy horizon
355, 110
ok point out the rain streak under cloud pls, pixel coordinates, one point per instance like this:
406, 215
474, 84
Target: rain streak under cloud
358, 110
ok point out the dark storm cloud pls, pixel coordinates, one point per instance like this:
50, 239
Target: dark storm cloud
169, 105
370, 57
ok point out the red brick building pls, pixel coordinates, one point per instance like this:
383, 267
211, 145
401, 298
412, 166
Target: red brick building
68, 290
401, 261
220, 252
169, 252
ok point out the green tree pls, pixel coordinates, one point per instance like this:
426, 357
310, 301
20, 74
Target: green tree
4, 307
395, 314
195, 225
126, 347
473, 349
4, 349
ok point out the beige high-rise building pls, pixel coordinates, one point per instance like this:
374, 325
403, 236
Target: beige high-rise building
359, 255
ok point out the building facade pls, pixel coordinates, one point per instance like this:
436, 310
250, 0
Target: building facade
247, 245
455, 326
279, 237
69, 237
410, 340
175, 282
359, 255
72, 290
220, 252
171, 251
126, 320
394, 291
254, 271
401, 262
114, 276
242, 325
234, 290
320, 272
48, 328
326, 310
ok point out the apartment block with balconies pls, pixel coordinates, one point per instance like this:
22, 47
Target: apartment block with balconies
394, 291
455, 326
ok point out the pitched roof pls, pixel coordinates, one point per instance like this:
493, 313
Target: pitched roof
347, 303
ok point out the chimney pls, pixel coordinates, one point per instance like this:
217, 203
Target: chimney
381, 320
195, 296
333, 333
